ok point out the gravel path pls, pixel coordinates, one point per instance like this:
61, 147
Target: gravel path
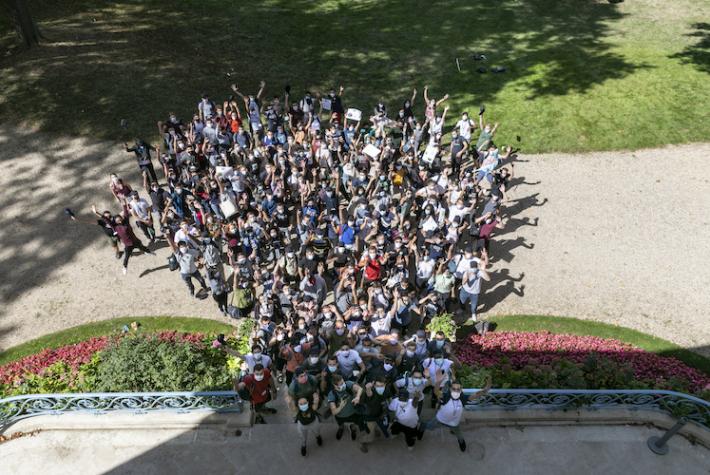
615, 237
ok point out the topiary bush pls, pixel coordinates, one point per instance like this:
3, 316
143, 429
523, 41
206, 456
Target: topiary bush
144, 364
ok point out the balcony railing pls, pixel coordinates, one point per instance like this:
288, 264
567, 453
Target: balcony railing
676, 404
671, 402
20, 407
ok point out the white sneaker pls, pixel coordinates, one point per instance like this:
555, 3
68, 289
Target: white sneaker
125, 271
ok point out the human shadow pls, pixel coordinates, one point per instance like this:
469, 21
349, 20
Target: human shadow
697, 54
500, 287
513, 224
139, 59
34, 230
502, 250
154, 269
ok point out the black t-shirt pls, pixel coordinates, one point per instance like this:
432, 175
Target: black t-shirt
336, 104
106, 226
320, 249
309, 264
374, 404
306, 417
281, 219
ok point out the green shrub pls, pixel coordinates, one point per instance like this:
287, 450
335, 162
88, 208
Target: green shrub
145, 364
444, 323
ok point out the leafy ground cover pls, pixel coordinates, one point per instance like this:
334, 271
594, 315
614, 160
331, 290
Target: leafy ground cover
580, 76
112, 327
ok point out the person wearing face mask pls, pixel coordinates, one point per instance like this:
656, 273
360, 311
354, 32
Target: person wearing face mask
303, 385
450, 410
439, 371
438, 343
416, 385
342, 400
292, 353
313, 364
350, 364
406, 420
374, 404
258, 388
308, 420
408, 359
338, 337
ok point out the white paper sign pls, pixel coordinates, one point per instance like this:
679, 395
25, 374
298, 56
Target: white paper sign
326, 104
430, 154
224, 171
371, 151
227, 206
353, 114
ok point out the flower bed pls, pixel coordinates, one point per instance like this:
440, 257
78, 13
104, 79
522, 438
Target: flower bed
546, 360
169, 361
72, 355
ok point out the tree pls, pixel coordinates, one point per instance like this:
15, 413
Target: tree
24, 22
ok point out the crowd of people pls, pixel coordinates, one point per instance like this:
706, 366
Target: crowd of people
340, 232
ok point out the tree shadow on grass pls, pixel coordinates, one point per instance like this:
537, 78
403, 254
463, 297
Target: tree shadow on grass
140, 59
698, 54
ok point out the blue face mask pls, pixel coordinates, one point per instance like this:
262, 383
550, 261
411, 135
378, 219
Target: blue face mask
440, 343
332, 369
303, 407
416, 381
380, 390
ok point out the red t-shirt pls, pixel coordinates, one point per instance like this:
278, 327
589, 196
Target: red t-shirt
259, 390
234, 125
486, 230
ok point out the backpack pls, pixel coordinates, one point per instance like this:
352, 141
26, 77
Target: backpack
242, 298
173, 264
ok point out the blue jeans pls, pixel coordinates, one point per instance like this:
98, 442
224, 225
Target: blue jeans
434, 424
472, 299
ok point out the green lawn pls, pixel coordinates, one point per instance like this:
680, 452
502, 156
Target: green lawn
581, 74
107, 327
574, 326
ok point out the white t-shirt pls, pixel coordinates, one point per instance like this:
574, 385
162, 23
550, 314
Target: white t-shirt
472, 285
381, 325
464, 127
465, 265
450, 413
456, 211
251, 361
141, 208
425, 268
435, 369
348, 361
414, 390
407, 415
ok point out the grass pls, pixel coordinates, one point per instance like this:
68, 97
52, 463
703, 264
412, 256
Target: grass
574, 326
581, 75
107, 327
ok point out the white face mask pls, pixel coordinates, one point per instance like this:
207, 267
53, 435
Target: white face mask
387, 366
257, 355
259, 377
313, 359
